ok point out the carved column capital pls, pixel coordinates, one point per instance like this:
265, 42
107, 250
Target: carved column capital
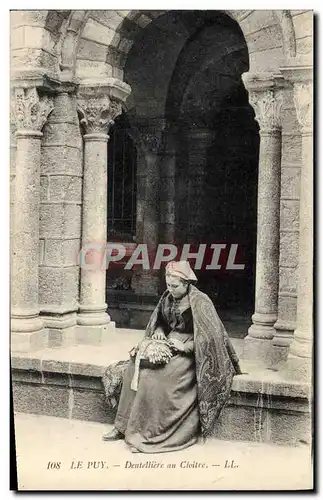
29, 109
266, 97
98, 114
150, 135
99, 105
267, 105
151, 140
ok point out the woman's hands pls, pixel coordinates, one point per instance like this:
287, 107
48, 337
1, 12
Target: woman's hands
159, 334
177, 345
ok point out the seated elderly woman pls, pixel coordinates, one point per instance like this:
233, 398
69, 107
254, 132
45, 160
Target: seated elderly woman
165, 408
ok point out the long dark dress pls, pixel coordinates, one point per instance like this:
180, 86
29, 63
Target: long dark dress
162, 415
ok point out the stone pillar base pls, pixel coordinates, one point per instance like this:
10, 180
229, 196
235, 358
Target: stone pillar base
278, 356
61, 337
61, 328
280, 344
27, 322
29, 341
297, 368
93, 317
257, 350
94, 335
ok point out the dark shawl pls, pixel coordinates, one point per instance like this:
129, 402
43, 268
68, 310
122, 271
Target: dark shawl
215, 359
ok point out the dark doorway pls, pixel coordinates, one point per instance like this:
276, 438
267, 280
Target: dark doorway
217, 148
186, 68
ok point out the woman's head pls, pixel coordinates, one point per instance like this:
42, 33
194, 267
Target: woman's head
176, 286
178, 276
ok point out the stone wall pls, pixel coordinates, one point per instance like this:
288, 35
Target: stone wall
264, 40
303, 26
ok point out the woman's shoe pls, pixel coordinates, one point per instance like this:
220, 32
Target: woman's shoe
113, 435
134, 450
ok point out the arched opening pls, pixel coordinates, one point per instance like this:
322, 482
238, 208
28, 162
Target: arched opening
216, 161
185, 68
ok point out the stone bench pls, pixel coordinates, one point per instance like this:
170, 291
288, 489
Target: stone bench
67, 383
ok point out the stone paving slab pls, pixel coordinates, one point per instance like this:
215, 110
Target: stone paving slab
41, 440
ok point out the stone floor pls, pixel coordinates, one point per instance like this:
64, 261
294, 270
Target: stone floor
41, 440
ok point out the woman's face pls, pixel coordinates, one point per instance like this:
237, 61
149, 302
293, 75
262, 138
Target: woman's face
176, 286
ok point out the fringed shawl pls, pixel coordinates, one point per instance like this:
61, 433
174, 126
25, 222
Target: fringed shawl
215, 358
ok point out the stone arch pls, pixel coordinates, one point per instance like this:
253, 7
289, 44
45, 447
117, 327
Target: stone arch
42, 41
108, 36
89, 43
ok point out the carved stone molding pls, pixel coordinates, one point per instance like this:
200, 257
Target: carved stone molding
303, 99
67, 48
266, 97
301, 77
288, 31
99, 105
29, 109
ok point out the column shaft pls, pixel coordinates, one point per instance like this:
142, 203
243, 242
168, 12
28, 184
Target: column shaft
99, 103
25, 242
266, 97
267, 237
146, 282
30, 112
94, 229
167, 187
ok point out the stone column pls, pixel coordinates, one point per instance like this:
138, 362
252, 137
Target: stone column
167, 185
299, 361
265, 94
191, 184
146, 282
30, 110
98, 106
